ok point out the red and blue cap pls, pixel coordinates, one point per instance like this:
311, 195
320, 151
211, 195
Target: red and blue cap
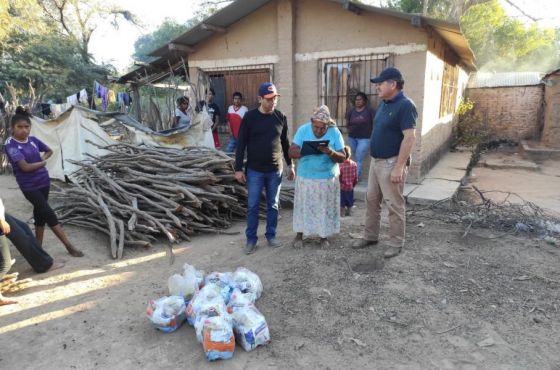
268, 90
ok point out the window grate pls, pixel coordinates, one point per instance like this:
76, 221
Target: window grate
449, 90
342, 78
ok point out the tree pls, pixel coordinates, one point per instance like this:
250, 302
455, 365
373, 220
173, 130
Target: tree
166, 32
51, 63
502, 43
17, 15
450, 10
170, 29
79, 18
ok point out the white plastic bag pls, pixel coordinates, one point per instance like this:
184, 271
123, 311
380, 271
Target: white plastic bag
181, 285
250, 327
223, 280
209, 294
167, 313
247, 282
218, 340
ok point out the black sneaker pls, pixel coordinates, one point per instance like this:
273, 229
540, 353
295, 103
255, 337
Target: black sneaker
274, 243
250, 248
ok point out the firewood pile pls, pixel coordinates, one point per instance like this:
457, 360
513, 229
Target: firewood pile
137, 194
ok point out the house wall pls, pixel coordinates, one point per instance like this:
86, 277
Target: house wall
434, 133
319, 24
367, 34
305, 32
551, 131
511, 113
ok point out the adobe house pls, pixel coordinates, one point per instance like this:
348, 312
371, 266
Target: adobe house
509, 103
323, 52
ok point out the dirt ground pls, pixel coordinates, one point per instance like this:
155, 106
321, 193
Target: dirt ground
446, 302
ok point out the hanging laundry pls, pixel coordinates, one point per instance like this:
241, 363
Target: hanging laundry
102, 92
111, 96
58, 109
72, 99
83, 96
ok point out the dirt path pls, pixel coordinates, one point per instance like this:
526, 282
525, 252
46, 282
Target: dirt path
446, 303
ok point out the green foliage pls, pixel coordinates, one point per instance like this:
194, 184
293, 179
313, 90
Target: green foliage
503, 44
170, 30
470, 129
51, 62
166, 32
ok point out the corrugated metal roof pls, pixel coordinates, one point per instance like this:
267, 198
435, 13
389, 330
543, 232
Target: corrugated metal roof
232, 13
488, 79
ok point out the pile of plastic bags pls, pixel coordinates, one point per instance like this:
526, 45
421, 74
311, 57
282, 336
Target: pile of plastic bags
220, 306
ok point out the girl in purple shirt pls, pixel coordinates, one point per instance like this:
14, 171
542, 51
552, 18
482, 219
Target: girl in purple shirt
24, 154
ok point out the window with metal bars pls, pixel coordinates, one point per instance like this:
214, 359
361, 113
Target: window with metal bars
449, 89
342, 78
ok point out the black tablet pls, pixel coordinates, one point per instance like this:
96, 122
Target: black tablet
312, 147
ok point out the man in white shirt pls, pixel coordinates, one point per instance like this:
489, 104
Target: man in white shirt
234, 116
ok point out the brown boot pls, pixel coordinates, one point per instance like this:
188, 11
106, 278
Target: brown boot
392, 252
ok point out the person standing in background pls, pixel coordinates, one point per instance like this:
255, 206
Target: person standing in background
359, 122
234, 115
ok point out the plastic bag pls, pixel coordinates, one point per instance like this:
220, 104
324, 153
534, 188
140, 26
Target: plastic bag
239, 300
212, 308
247, 282
184, 286
250, 327
208, 295
218, 338
167, 313
223, 280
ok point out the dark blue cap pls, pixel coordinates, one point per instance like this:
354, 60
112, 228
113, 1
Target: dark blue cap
388, 74
268, 90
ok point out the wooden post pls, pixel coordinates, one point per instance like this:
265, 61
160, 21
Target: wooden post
136, 101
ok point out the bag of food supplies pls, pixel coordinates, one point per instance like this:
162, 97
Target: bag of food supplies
167, 313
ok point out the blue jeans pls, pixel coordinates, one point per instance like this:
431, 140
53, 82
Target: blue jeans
231, 145
255, 182
360, 148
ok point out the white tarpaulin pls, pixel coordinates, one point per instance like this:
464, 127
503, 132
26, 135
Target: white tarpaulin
68, 137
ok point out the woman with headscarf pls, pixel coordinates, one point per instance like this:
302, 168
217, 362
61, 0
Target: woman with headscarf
319, 146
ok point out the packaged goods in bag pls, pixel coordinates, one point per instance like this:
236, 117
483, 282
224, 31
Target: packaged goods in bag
218, 339
250, 327
167, 313
223, 280
248, 282
189, 270
184, 286
209, 295
239, 300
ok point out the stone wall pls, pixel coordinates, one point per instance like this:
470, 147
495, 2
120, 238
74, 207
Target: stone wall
512, 113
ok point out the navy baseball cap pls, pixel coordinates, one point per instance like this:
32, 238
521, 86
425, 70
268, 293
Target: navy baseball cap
390, 73
268, 90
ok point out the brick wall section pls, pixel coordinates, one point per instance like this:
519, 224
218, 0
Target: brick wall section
551, 130
512, 113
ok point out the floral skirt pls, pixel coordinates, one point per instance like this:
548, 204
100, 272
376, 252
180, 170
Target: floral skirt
317, 207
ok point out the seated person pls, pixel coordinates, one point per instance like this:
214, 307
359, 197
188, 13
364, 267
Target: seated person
23, 239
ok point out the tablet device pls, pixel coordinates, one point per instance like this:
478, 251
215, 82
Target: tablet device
311, 147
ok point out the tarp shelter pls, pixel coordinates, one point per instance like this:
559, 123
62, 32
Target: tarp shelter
71, 135
68, 136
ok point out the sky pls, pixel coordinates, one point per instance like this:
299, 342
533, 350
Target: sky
116, 46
